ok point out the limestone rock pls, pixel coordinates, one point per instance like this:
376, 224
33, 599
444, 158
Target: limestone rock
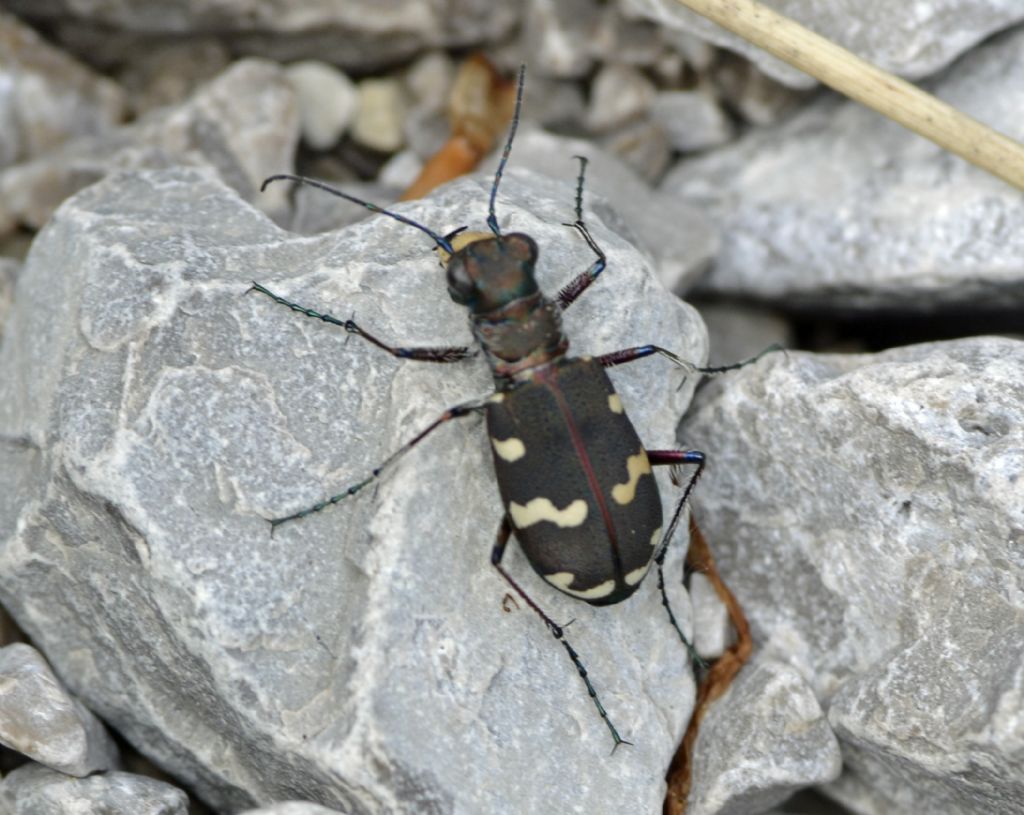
867, 512
840, 208
39, 719
153, 414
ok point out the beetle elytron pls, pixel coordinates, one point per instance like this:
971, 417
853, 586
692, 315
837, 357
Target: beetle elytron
574, 477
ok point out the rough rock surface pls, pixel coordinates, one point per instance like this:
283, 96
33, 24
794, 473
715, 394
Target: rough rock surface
867, 511
842, 208
33, 789
763, 741
39, 719
909, 39
244, 123
153, 414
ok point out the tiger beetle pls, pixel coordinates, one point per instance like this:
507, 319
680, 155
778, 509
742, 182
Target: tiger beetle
574, 477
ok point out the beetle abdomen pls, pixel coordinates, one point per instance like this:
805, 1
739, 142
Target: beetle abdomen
575, 481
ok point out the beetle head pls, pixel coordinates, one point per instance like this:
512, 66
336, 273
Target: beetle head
487, 271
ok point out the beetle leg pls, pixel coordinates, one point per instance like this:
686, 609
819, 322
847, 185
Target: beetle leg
497, 553
574, 288
676, 458
456, 412
610, 360
452, 354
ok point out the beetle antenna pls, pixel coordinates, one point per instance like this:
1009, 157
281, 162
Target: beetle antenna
444, 243
492, 220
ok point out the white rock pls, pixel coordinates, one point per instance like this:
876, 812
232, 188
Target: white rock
619, 94
400, 170
693, 120
557, 36
36, 790
429, 81
712, 632
643, 147
327, 101
292, 808
380, 114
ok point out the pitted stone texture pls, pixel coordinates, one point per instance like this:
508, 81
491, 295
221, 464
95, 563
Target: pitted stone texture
867, 513
358, 35
244, 123
840, 208
764, 740
154, 414
37, 790
46, 97
39, 719
909, 39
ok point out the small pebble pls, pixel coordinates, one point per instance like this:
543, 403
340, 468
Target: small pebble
327, 101
380, 114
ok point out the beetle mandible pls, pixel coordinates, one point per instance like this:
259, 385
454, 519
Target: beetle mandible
595, 530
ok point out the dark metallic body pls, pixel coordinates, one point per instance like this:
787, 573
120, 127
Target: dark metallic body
563, 442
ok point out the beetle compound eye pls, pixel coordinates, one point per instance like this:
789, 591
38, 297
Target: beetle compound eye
521, 247
460, 284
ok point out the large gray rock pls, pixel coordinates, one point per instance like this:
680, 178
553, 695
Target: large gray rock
841, 208
868, 512
41, 720
46, 97
764, 740
152, 414
360, 34
909, 39
244, 123
33, 789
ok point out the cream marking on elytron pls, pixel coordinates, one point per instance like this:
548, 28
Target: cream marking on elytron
563, 579
614, 403
635, 576
637, 466
511, 449
541, 509
656, 537
496, 398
